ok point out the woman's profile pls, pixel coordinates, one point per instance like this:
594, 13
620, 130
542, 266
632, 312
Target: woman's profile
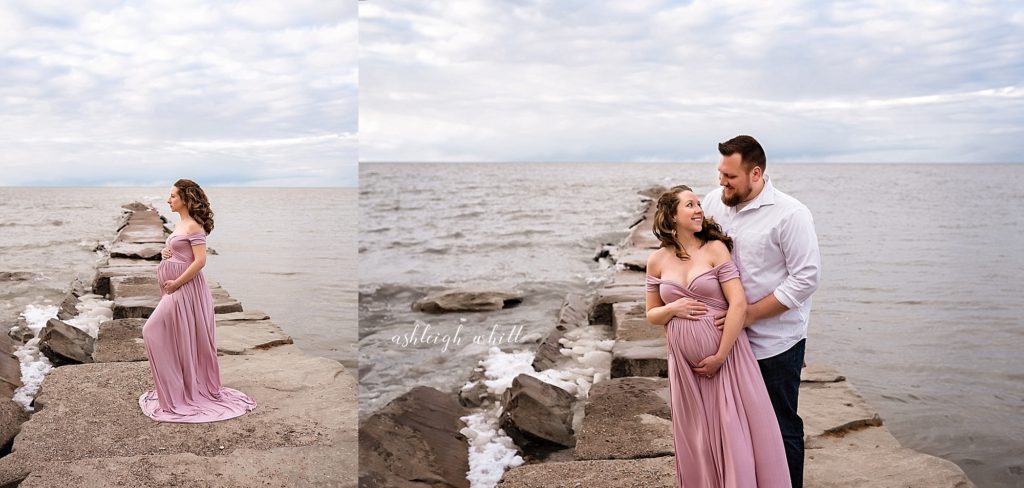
180, 334
724, 429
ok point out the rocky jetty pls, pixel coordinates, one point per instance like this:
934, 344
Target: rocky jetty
626, 437
88, 430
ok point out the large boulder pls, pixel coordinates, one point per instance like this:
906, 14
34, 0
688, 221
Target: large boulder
467, 301
415, 441
537, 414
65, 344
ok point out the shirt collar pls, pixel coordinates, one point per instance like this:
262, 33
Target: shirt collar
766, 197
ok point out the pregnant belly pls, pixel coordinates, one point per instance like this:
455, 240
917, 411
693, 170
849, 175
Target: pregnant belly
169, 270
693, 340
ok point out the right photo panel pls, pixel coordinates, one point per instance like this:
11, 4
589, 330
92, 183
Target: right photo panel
690, 244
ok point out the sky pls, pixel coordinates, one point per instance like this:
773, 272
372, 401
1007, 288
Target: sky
141, 93
650, 80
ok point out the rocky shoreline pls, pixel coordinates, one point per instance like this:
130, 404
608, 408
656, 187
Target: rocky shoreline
88, 430
616, 431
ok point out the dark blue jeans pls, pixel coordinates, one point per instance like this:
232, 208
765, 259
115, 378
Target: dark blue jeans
781, 375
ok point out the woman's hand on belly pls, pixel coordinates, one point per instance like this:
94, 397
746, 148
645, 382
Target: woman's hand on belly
170, 286
709, 366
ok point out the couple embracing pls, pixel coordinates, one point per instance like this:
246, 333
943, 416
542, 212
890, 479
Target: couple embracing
732, 283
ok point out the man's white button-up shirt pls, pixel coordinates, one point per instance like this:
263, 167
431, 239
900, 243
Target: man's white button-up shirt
776, 249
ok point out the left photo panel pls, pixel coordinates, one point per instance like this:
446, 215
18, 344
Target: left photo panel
178, 226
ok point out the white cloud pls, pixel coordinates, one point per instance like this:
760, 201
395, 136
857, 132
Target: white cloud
662, 80
103, 85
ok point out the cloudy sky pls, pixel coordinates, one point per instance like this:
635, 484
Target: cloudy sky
658, 80
251, 92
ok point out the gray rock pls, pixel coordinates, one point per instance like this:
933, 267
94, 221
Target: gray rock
11, 418
632, 258
612, 294
872, 457
626, 418
136, 207
16, 276
573, 314
246, 336
834, 408
640, 358
537, 414
120, 340
467, 301
304, 402
137, 296
820, 373
629, 321
628, 277
121, 268
65, 344
476, 394
659, 472
149, 251
414, 441
134, 296
68, 307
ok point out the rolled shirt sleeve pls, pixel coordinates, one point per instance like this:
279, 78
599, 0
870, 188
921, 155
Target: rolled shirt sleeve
803, 261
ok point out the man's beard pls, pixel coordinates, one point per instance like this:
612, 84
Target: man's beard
735, 199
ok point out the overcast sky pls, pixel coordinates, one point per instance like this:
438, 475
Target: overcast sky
648, 80
246, 93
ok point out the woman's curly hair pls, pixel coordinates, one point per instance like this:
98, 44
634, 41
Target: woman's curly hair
196, 202
665, 224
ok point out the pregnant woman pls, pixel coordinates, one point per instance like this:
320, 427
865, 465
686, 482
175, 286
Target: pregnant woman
180, 334
724, 430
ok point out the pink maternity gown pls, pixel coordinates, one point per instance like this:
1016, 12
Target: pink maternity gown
182, 350
724, 429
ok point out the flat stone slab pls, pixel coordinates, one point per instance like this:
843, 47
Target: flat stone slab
627, 418
143, 231
279, 467
872, 457
609, 295
659, 472
629, 321
634, 258
137, 296
628, 277
246, 315
640, 358
121, 267
91, 411
246, 336
820, 373
121, 339
145, 250
834, 408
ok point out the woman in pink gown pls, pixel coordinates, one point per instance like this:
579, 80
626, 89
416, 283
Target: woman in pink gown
180, 334
724, 429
